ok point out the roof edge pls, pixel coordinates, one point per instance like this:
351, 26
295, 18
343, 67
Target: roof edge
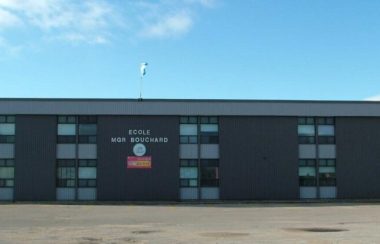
186, 100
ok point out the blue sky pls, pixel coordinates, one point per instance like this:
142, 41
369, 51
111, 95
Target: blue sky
241, 49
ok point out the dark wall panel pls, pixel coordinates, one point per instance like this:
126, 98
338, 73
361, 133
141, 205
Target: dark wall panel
258, 158
115, 181
35, 158
358, 157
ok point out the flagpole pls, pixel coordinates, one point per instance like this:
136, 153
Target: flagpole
141, 81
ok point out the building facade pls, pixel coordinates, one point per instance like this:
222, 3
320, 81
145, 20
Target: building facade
188, 150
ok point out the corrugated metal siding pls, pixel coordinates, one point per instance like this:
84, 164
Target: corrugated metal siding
115, 182
188, 107
358, 157
258, 158
35, 158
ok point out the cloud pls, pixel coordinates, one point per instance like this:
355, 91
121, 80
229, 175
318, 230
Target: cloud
373, 98
169, 18
89, 19
8, 19
169, 26
205, 3
98, 21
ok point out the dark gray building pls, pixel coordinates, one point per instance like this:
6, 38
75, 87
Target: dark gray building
180, 150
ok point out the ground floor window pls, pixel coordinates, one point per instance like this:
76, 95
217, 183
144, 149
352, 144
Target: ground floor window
7, 173
71, 175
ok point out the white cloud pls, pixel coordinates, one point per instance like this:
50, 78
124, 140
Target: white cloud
373, 98
169, 18
96, 21
8, 19
169, 26
205, 3
90, 18
76, 37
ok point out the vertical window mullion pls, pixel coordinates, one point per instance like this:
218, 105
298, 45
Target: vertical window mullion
199, 156
317, 154
76, 155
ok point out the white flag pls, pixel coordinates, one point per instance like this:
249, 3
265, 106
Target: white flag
143, 69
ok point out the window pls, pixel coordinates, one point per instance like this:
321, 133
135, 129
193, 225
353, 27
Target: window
188, 139
87, 176
307, 172
306, 121
66, 120
7, 162
66, 130
7, 119
66, 139
199, 173
66, 173
209, 130
325, 121
189, 120
188, 173
209, 120
306, 134
87, 172
87, 163
7, 129
87, 131
87, 139
6, 183
316, 172
326, 134
6, 173
188, 130
86, 183
88, 119
7, 139
327, 176
306, 130
7, 135
78, 172
326, 130
209, 172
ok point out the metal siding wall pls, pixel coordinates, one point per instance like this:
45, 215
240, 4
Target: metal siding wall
115, 182
187, 107
258, 158
358, 157
35, 158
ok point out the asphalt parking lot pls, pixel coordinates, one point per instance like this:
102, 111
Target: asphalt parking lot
183, 223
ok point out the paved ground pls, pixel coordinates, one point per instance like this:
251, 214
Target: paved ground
220, 223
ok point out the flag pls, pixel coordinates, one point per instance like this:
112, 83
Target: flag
143, 69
